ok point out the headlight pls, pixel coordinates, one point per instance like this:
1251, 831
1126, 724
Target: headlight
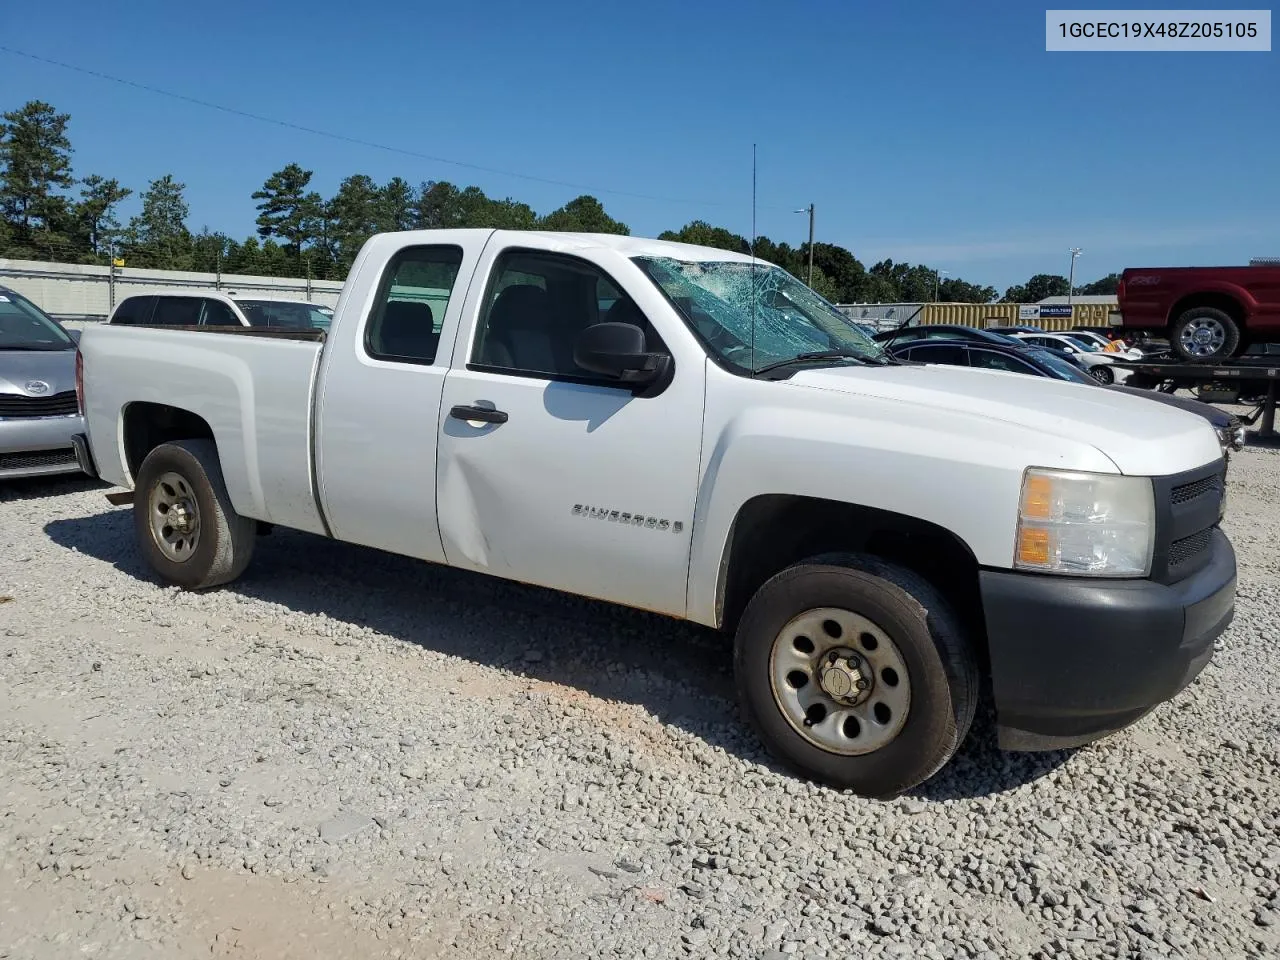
1085, 524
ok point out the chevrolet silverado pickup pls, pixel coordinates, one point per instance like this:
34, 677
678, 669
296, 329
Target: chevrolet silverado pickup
1209, 314
691, 431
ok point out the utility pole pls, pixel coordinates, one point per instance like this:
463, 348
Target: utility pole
937, 276
809, 211
1071, 280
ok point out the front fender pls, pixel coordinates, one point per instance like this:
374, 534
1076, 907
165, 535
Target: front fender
952, 470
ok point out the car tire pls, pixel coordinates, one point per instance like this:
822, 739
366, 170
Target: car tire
1205, 335
1103, 373
187, 529
883, 601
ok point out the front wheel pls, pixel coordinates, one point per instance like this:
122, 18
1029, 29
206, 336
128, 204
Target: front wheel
186, 527
1103, 373
855, 673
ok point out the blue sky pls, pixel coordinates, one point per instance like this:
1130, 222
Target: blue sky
933, 132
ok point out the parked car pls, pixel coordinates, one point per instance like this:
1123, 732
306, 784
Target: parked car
939, 331
184, 308
718, 445
950, 331
1106, 345
1088, 356
39, 415
1209, 314
1038, 362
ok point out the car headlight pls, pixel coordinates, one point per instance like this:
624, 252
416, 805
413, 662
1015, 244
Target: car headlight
1085, 524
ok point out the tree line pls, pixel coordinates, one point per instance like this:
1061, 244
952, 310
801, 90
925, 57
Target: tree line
47, 212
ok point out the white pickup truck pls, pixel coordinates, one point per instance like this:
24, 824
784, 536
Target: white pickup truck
685, 430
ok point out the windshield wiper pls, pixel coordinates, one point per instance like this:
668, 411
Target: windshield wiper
27, 346
813, 355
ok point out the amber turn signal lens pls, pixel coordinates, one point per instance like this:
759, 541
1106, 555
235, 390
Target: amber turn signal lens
1033, 546
1037, 495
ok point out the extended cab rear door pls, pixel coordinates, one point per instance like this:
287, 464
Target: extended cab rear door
554, 476
382, 371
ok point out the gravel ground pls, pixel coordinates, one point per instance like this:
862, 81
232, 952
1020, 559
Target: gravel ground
348, 754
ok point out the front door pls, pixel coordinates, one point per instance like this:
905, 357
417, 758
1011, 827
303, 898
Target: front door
550, 475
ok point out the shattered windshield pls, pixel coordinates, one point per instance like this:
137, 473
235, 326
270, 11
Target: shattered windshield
790, 321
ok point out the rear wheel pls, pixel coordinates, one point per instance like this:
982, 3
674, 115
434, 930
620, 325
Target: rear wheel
186, 527
855, 673
1205, 334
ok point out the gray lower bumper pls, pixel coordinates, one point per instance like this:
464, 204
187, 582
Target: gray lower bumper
39, 446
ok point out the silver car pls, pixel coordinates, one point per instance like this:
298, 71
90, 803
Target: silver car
39, 414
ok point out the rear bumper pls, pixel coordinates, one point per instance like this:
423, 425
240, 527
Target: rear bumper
1075, 659
38, 446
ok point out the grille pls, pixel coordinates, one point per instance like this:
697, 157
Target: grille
1188, 548
1197, 488
42, 458
58, 404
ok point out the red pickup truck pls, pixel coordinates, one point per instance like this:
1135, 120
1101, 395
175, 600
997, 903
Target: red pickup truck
1208, 313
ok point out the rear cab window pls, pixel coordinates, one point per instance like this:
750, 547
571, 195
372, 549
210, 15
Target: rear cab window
134, 310
177, 311
218, 314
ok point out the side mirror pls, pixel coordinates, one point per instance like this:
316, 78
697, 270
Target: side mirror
617, 351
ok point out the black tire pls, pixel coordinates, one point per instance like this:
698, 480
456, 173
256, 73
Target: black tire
226, 540
1229, 346
942, 670
1103, 373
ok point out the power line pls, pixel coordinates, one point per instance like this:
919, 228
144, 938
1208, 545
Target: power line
355, 140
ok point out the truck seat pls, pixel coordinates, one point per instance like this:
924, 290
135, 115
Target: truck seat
521, 333
408, 330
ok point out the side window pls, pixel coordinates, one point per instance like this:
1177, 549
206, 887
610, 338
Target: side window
218, 314
133, 310
177, 311
939, 353
990, 360
412, 298
536, 306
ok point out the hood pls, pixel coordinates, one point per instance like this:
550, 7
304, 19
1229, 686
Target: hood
56, 368
1138, 436
1219, 418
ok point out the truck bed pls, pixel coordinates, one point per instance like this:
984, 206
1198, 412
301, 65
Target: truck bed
254, 387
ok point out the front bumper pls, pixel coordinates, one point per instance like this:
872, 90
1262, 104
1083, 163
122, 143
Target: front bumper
1074, 659
38, 446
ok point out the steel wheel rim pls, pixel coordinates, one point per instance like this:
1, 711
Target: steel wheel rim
1203, 336
804, 648
175, 517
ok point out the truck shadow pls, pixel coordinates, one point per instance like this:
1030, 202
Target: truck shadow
36, 488
679, 672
